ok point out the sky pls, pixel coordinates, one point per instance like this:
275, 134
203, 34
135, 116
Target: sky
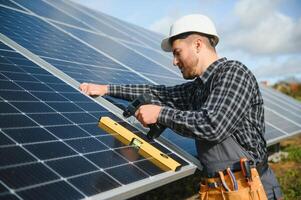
265, 35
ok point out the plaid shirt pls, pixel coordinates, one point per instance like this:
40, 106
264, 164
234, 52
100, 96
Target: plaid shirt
224, 101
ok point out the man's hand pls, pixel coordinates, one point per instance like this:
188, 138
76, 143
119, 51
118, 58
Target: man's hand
148, 114
93, 89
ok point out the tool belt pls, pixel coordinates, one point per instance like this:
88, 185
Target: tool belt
244, 184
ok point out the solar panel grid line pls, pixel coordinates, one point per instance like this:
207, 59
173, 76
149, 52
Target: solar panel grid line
106, 24
24, 8
280, 100
275, 127
63, 38
35, 7
121, 53
283, 97
294, 112
83, 64
85, 10
67, 33
282, 116
9, 7
281, 138
25, 11
9, 3
147, 57
125, 25
42, 162
121, 43
62, 10
159, 51
107, 55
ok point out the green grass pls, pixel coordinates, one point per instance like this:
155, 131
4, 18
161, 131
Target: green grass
290, 180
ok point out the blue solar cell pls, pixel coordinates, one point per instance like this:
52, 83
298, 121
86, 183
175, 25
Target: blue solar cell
80, 118
49, 119
86, 145
60, 190
43, 9
66, 132
6, 108
4, 141
34, 86
29, 174
14, 155
93, 129
15, 120
17, 95
117, 173
148, 167
106, 159
71, 166
110, 141
48, 97
10, 4
46, 151
32, 107
8, 68
7, 85
65, 107
29, 135
99, 181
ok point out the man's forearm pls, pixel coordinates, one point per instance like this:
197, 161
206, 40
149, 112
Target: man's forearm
127, 92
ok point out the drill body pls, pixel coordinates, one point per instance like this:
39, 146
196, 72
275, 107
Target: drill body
155, 129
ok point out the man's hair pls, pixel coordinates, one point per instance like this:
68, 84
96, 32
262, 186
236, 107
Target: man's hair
211, 39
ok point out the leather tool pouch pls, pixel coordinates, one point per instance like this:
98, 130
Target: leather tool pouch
247, 190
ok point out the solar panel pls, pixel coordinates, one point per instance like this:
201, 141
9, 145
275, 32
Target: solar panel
50, 140
41, 112
43, 9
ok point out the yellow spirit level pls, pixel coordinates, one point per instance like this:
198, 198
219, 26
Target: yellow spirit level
145, 149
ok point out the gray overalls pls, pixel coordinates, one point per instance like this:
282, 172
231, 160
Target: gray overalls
216, 157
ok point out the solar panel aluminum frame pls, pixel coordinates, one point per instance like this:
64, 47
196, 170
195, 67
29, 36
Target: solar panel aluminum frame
125, 191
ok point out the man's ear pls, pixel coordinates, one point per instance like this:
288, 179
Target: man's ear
198, 44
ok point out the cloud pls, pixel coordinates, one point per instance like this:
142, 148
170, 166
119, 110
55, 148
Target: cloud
276, 68
162, 25
262, 29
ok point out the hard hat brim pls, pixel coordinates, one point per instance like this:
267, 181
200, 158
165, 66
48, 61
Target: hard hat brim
165, 45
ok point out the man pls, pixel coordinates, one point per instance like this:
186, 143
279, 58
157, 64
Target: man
222, 108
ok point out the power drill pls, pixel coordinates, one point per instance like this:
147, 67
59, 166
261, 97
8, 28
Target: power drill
155, 129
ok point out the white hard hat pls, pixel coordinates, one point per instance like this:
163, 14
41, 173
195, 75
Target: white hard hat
190, 23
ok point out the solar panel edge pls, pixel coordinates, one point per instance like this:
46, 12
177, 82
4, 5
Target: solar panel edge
141, 186
278, 139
